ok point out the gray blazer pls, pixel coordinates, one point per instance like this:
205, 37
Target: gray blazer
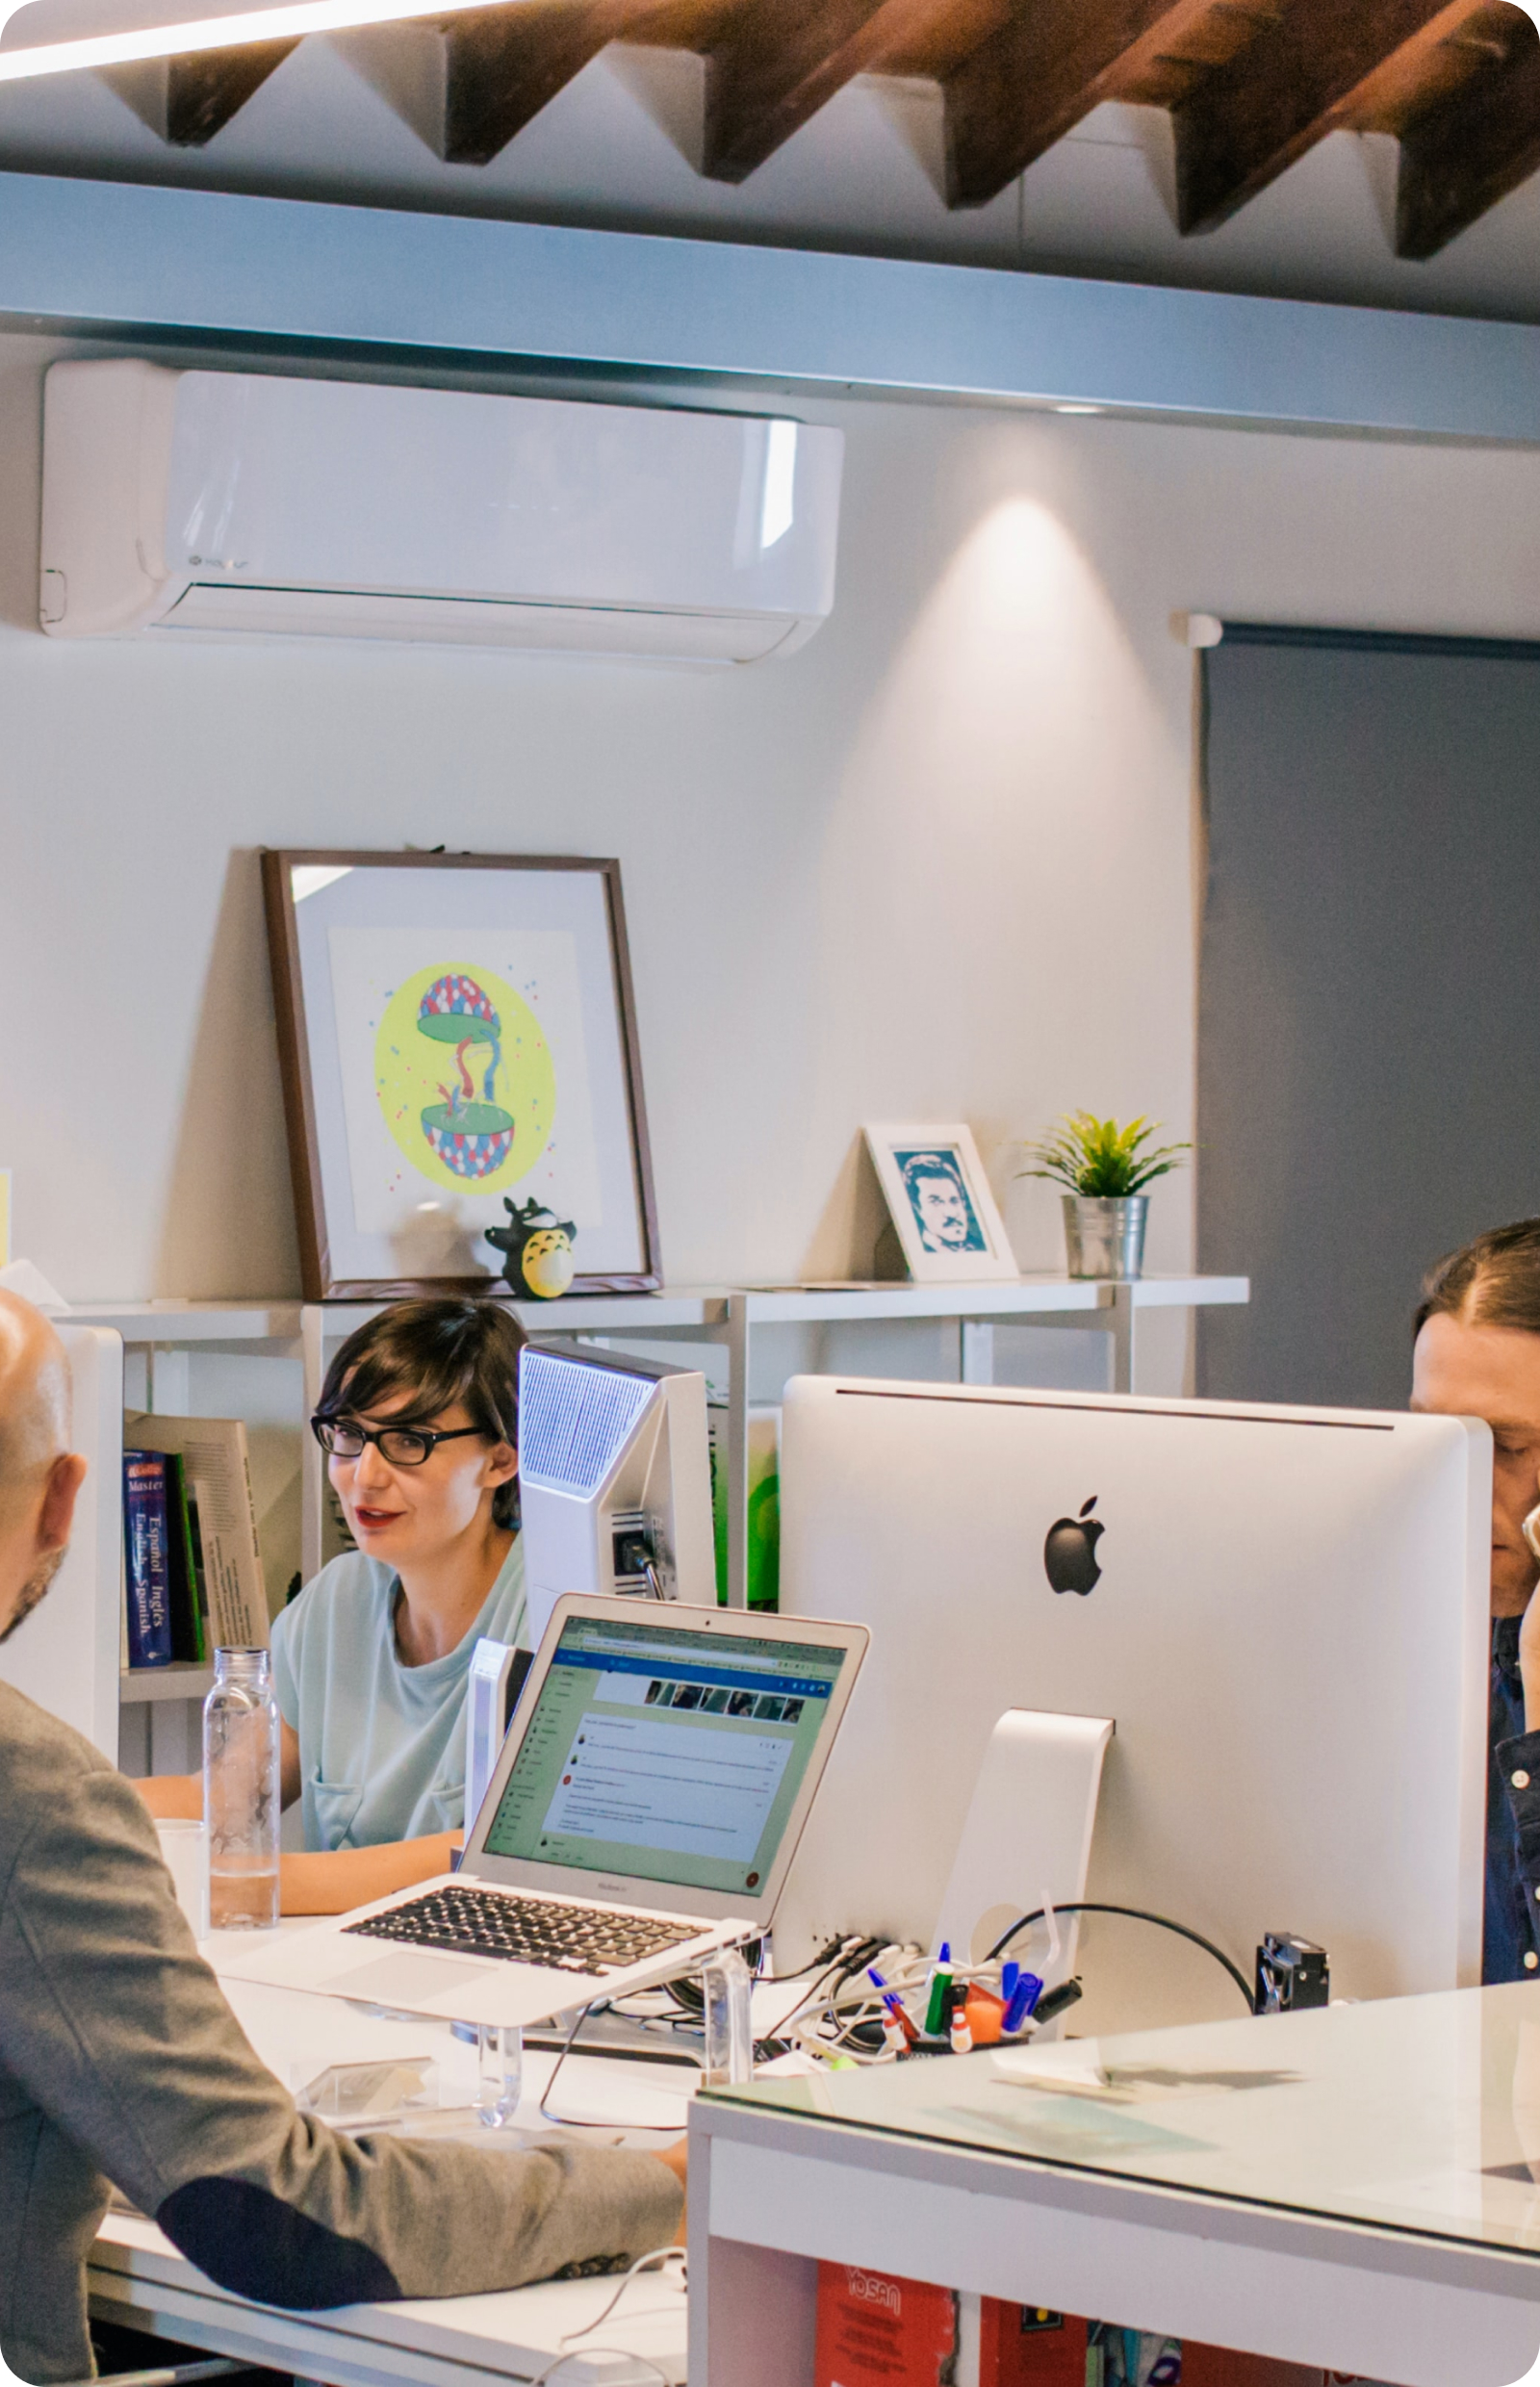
119, 2061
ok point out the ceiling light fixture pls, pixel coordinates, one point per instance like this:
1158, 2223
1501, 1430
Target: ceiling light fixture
56, 37
1075, 406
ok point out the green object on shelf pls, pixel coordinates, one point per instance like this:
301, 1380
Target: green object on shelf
1096, 1157
764, 1504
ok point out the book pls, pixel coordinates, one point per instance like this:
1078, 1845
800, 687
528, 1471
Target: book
146, 1540
221, 1522
189, 1642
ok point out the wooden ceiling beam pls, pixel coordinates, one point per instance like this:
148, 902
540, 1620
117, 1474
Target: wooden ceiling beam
188, 100
773, 64
1304, 75
502, 65
1464, 154
1048, 65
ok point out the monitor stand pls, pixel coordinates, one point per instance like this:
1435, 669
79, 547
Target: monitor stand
1027, 1839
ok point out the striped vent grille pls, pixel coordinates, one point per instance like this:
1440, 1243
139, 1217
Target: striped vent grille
573, 1421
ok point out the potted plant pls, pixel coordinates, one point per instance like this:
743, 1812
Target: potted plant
1105, 1168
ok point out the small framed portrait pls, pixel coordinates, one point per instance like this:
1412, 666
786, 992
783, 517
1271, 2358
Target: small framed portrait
940, 1205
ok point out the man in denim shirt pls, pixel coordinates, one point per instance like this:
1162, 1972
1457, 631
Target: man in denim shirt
1477, 1354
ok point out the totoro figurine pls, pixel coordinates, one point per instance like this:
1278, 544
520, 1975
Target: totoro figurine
538, 1247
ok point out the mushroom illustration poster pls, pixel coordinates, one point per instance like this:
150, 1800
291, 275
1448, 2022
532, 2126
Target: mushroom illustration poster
457, 1034
465, 1077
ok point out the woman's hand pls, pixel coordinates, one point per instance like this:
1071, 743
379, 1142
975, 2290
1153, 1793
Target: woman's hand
332, 1883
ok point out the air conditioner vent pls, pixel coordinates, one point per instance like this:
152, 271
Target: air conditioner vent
256, 506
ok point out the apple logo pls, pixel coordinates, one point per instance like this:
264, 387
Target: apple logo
1070, 1552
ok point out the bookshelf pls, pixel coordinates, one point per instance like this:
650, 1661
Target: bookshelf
172, 1350
750, 1338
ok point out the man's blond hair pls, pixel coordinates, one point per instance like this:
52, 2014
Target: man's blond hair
34, 1397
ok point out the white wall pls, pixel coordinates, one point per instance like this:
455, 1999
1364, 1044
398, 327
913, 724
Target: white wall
939, 864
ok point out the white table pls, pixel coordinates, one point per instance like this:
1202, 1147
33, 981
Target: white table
1349, 2189
136, 2275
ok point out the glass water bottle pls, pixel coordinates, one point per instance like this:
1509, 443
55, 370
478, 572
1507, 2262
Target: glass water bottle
241, 1791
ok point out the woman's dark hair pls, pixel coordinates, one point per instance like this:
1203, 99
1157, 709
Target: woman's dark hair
438, 1353
1491, 1281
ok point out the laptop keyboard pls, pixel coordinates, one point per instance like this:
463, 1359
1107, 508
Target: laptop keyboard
463, 1921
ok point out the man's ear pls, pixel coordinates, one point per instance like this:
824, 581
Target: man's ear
58, 1511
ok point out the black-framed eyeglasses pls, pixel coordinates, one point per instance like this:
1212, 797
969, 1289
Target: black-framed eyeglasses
399, 1446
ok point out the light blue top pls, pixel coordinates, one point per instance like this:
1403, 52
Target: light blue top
381, 1745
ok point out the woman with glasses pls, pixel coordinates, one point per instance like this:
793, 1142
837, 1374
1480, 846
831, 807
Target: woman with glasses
418, 1420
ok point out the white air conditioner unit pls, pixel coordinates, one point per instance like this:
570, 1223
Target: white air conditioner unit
184, 504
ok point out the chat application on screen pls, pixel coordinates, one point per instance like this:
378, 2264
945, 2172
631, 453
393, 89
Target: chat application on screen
673, 1757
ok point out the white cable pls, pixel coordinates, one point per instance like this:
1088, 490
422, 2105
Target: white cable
661, 2256
630, 2353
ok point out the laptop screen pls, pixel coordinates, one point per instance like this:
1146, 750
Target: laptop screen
669, 1755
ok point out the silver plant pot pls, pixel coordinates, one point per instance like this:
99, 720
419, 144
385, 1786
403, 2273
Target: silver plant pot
1104, 1236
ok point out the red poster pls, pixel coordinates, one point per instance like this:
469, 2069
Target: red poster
878, 2332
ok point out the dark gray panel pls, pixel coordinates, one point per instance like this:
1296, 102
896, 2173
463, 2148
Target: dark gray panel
1369, 1034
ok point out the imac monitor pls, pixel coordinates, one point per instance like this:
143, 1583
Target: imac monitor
614, 1478
1284, 1610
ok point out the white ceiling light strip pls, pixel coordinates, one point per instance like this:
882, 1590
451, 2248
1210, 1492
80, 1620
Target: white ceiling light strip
176, 38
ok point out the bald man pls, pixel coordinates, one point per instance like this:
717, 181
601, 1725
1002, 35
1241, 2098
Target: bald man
120, 2060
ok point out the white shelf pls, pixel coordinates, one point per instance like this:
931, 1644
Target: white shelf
1020, 1296
179, 1323
668, 1312
675, 1311
138, 1685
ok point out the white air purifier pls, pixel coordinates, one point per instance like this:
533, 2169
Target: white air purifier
614, 1478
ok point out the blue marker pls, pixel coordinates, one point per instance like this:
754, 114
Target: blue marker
1022, 2004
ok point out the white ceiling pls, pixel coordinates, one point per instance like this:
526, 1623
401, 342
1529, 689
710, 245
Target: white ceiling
615, 149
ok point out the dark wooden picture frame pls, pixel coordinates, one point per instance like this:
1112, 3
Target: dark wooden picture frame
321, 1280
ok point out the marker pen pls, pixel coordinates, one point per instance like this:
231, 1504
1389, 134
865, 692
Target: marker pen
935, 2013
1021, 2003
896, 2012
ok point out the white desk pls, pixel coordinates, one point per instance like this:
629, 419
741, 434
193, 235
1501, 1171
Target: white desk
136, 2275
1349, 2189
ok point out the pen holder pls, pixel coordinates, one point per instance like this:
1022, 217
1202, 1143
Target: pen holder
725, 1989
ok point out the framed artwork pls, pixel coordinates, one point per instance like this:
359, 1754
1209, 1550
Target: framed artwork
940, 1205
458, 1043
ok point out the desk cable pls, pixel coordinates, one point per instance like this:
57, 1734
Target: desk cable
1134, 1915
660, 2257
663, 2129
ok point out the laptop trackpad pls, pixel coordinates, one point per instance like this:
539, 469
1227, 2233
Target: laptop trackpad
404, 1980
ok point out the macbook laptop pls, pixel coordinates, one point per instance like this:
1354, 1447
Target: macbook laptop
644, 1810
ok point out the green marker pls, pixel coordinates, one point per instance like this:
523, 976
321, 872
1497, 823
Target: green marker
937, 2014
